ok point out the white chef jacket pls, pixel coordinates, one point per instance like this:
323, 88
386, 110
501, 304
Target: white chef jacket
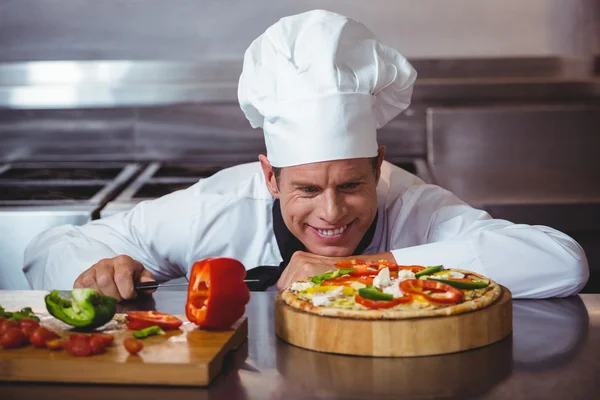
230, 215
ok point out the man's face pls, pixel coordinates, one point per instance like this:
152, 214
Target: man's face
328, 206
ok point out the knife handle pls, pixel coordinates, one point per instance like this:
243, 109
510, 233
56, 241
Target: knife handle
145, 285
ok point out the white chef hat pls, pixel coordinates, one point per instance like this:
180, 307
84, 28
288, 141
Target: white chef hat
320, 84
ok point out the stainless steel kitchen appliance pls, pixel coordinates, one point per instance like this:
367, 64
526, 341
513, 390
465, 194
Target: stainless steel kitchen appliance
37, 196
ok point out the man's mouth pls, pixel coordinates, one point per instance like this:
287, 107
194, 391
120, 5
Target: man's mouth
331, 233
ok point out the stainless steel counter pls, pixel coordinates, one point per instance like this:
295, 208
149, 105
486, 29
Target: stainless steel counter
552, 354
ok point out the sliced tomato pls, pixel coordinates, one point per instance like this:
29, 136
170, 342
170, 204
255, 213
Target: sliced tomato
443, 293
382, 304
80, 336
137, 320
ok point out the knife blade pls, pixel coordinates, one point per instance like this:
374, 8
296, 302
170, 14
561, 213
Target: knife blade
155, 285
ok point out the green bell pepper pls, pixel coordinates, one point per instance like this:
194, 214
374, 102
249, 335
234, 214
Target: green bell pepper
318, 279
87, 309
463, 285
373, 294
26, 312
429, 271
149, 331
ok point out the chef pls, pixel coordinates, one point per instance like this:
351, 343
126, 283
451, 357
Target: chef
319, 85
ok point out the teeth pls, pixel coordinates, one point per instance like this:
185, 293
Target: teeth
331, 232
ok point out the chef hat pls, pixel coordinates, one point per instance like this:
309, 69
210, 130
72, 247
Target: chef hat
320, 84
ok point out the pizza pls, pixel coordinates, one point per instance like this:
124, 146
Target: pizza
385, 290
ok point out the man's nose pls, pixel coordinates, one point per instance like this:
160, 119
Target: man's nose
333, 207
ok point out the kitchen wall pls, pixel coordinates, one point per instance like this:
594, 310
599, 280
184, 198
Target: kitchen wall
200, 30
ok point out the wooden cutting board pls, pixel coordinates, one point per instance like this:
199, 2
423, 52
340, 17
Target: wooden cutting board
395, 338
187, 357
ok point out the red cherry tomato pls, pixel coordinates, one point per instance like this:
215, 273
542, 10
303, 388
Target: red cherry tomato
137, 320
13, 338
40, 336
6, 325
28, 326
79, 336
97, 345
79, 348
133, 346
106, 338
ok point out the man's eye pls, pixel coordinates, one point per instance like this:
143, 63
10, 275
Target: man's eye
349, 186
310, 189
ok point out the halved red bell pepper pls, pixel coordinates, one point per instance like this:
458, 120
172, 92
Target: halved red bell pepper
443, 293
217, 294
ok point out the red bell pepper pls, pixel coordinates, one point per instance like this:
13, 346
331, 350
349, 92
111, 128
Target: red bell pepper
443, 293
217, 293
372, 268
375, 304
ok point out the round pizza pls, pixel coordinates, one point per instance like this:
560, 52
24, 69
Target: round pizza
385, 290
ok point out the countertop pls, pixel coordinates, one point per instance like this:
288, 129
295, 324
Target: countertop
552, 354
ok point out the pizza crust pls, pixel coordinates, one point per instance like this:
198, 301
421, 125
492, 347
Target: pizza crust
489, 297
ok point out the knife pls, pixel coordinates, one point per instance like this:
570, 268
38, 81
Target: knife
154, 285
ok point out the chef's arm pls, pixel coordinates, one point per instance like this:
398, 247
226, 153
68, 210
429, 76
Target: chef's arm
155, 233
532, 261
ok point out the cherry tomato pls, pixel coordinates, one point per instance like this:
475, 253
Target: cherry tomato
56, 344
382, 304
106, 338
27, 326
6, 325
79, 336
40, 336
137, 320
133, 346
97, 345
79, 348
13, 338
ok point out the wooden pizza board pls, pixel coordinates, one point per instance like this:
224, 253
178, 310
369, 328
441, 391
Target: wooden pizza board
395, 338
185, 357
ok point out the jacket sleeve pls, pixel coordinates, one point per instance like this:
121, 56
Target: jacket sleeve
156, 233
532, 261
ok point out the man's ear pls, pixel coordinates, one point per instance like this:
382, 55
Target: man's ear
270, 178
380, 154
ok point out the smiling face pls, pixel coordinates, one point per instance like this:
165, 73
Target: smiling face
328, 206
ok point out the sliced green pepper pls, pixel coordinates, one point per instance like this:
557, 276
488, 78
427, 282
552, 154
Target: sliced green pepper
149, 331
463, 285
26, 312
87, 309
374, 294
318, 279
429, 271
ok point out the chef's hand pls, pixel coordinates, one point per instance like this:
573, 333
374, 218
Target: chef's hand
304, 264
114, 277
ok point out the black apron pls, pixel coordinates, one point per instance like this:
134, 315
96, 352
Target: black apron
288, 244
